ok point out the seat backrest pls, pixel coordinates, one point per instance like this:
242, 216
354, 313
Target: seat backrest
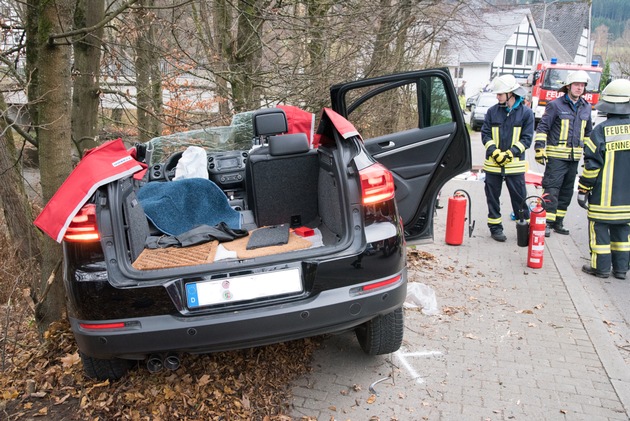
281, 181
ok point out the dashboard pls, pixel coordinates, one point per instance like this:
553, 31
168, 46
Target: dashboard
226, 169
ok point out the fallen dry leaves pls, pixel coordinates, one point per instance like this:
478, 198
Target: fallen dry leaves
45, 380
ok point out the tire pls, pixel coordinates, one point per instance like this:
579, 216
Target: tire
96, 368
383, 334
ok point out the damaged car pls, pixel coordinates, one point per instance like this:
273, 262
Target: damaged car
259, 232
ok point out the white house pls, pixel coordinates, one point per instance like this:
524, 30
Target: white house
507, 44
514, 40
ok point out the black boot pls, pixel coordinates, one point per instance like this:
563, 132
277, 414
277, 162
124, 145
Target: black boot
498, 235
592, 271
559, 228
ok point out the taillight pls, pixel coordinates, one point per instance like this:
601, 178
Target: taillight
375, 285
83, 227
101, 326
377, 184
110, 325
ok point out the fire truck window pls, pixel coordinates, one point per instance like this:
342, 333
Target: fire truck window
593, 85
555, 79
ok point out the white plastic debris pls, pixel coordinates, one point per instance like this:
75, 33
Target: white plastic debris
421, 296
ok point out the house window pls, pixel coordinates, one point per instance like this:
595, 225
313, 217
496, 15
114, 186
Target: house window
530, 57
509, 56
520, 55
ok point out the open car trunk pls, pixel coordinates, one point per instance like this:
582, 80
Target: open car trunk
289, 205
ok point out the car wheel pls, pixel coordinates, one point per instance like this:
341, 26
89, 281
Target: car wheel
383, 334
96, 368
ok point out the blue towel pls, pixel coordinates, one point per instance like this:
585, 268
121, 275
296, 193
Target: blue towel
178, 206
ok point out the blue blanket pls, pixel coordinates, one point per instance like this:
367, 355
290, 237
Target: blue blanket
179, 206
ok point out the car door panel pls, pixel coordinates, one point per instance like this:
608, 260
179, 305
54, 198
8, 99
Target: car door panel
423, 143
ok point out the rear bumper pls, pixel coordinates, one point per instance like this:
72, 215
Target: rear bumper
477, 120
329, 311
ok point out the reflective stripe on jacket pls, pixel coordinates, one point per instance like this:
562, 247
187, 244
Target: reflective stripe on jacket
507, 130
563, 128
607, 171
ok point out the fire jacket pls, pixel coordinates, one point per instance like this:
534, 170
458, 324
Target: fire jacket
607, 171
507, 129
563, 128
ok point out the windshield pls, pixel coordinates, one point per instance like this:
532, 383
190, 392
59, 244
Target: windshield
238, 136
487, 100
554, 79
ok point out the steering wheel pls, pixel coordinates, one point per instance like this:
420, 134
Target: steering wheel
170, 164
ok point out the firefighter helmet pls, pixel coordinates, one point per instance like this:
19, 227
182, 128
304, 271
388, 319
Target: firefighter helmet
573, 77
615, 98
507, 83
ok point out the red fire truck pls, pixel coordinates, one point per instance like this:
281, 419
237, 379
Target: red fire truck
550, 76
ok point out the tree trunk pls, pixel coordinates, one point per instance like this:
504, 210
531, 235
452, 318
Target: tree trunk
248, 55
13, 197
86, 74
55, 144
157, 100
317, 49
32, 71
147, 86
218, 50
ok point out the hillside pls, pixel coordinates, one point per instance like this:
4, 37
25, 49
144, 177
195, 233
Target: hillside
613, 13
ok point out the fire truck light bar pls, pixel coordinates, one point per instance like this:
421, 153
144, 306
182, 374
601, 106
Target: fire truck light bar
554, 60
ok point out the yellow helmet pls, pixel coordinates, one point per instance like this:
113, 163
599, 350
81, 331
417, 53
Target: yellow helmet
615, 98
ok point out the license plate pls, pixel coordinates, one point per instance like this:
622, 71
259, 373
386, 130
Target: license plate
242, 288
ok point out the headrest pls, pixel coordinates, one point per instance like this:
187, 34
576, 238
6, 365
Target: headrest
288, 144
269, 121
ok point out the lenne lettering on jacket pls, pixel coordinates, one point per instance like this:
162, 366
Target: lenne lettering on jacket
620, 145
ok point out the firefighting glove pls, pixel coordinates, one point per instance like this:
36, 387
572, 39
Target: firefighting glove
541, 156
583, 198
509, 156
495, 155
501, 159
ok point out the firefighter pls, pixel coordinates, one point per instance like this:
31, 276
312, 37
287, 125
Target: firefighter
560, 136
506, 133
603, 186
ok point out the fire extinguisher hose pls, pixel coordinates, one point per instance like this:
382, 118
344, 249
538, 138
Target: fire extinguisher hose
522, 226
471, 226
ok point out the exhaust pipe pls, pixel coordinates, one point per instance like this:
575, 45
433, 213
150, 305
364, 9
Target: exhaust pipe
154, 363
171, 362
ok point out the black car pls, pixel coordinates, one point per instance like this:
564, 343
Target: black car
471, 100
480, 108
327, 227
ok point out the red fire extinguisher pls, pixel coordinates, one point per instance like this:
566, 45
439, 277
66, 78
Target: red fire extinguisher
537, 224
456, 217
